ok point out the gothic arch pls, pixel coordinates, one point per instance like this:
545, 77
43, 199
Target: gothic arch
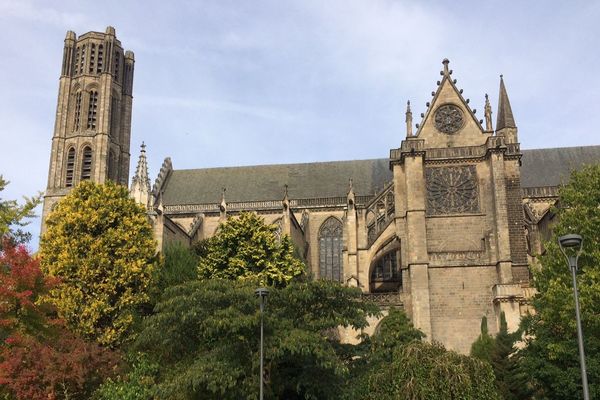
384, 270
330, 249
70, 166
87, 159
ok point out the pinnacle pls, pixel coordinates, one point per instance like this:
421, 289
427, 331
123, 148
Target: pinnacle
505, 116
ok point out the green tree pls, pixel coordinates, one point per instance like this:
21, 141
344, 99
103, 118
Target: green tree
179, 264
400, 366
551, 357
512, 381
424, 371
483, 347
204, 336
247, 248
12, 216
137, 384
99, 244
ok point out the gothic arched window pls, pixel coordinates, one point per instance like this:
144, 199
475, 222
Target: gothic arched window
77, 60
92, 108
92, 58
77, 122
86, 163
82, 60
117, 63
330, 249
385, 273
99, 62
70, 167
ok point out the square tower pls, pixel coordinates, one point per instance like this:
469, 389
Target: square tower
93, 115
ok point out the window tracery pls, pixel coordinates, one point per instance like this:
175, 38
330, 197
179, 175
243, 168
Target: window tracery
92, 108
70, 167
330, 249
100, 56
86, 164
452, 190
77, 113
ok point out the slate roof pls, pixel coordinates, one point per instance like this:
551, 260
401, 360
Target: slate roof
266, 182
551, 167
541, 167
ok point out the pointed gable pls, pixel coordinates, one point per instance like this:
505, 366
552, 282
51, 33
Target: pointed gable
449, 121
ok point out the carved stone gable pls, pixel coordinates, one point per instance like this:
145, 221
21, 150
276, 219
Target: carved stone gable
452, 190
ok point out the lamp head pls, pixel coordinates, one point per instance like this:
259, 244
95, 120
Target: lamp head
261, 292
571, 246
571, 240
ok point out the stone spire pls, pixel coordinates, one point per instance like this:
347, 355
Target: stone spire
408, 120
488, 114
505, 115
140, 184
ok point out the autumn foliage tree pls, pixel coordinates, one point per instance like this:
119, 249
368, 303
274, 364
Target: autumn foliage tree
99, 244
39, 358
21, 285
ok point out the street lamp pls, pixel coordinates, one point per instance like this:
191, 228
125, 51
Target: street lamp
571, 246
262, 293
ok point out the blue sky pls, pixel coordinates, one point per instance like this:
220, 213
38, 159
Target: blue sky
222, 83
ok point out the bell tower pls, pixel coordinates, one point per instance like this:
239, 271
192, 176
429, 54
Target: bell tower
93, 115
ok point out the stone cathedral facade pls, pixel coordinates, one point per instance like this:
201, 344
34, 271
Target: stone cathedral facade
445, 227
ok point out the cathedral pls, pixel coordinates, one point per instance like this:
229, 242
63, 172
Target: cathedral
445, 227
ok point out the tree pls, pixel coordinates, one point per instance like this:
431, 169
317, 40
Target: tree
400, 366
21, 286
511, 380
39, 358
551, 356
420, 370
137, 384
65, 367
483, 347
247, 248
99, 243
12, 215
204, 336
179, 265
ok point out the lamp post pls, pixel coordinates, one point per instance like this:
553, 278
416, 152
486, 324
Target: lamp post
262, 293
571, 246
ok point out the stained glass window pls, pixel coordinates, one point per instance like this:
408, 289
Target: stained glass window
330, 250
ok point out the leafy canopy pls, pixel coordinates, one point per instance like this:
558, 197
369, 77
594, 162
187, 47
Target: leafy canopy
39, 358
21, 286
205, 337
247, 248
12, 216
551, 356
99, 244
425, 371
400, 366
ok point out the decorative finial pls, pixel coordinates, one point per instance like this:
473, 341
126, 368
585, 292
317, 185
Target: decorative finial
285, 191
408, 120
446, 62
488, 114
143, 146
351, 182
223, 205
